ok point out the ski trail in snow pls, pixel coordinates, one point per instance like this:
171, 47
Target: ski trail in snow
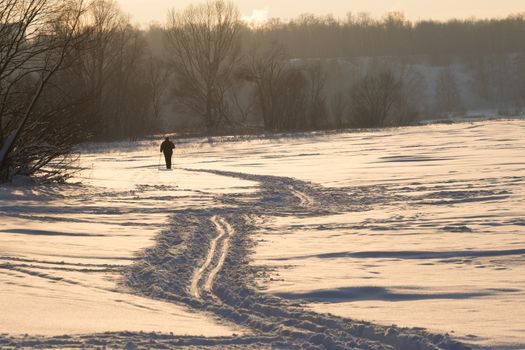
204, 263
199, 274
304, 200
225, 229
223, 284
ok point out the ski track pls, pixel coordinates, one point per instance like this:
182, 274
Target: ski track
226, 231
207, 271
223, 282
304, 200
195, 289
203, 262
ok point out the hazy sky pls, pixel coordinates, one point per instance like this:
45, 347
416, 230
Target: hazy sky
146, 11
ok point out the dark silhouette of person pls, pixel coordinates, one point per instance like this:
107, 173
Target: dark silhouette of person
167, 148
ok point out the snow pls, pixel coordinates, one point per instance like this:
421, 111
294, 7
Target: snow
62, 251
263, 236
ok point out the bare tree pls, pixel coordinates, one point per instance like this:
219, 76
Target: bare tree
317, 109
204, 46
126, 96
99, 62
292, 100
116, 74
373, 98
36, 38
388, 95
448, 99
243, 104
338, 107
157, 78
410, 102
519, 81
284, 91
266, 70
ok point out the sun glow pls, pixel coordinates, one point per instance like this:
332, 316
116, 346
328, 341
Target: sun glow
257, 18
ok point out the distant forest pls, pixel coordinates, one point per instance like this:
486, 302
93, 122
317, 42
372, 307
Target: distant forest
393, 35
304, 74
80, 70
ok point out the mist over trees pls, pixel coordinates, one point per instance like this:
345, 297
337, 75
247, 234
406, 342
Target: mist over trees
116, 74
79, 70
320, 72
358, 35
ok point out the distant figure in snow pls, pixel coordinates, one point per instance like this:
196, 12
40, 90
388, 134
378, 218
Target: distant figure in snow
167, 148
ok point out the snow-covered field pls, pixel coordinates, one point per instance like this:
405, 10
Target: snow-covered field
250, 242
63, 249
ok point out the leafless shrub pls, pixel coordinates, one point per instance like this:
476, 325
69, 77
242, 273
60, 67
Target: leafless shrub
407, 110
373, 99
290, 95
338, 108
384, 97
157, 80
316, 108
448, 98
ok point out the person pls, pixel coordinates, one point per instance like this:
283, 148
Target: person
167, 148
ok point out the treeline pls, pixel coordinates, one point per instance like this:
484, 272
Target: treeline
360, 35
318, 72
78, 69
308, 73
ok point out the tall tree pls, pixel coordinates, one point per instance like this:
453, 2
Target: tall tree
204, 46
114, 74
373, 98
448, 98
